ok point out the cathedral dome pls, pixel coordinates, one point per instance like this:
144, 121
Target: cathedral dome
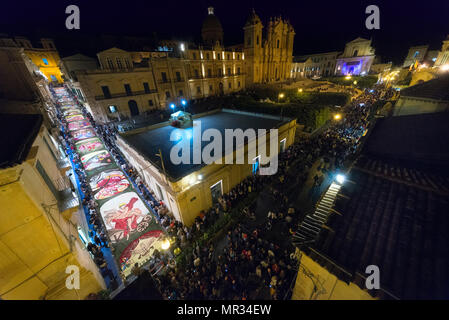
212, 31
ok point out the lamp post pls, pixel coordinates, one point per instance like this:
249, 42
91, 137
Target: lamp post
184, 103
280, 96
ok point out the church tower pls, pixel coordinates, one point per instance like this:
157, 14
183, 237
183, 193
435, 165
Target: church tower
253, 48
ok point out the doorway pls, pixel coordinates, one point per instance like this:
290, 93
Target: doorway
133, 108
256, 165
282, 145
216, 191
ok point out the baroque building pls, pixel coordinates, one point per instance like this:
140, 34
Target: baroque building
44, 56
128, 83
268, 59
443, 55
356, 59
314, 65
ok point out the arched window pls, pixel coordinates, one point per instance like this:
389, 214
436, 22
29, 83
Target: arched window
278, 43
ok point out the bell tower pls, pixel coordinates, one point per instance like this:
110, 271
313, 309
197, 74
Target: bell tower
253, 48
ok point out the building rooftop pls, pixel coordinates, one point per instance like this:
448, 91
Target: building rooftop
400, 228
148, 142
420, 140
18, 132
437, 89
392, 212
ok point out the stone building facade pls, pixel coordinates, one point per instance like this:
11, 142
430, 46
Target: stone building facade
268, 59
356, 59
130, 83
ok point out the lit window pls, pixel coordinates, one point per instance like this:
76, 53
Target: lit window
45, 61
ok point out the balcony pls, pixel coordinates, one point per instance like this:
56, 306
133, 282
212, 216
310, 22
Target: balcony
125, 94
215, 76
167, 81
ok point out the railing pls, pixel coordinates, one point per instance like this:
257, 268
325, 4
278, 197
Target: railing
170, 80
125, 94
216, 76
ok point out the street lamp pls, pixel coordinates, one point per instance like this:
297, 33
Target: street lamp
300, 90
337, 116
184, 103
172, 106
340, 178
280, 96
165, 244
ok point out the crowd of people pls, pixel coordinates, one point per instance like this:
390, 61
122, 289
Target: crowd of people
251, 259
97, 233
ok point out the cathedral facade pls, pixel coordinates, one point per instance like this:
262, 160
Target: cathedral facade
268, 59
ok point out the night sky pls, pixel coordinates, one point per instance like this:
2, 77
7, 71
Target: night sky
320, 25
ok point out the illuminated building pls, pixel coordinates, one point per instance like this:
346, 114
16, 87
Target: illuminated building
315, 65
39, 219
16, 82
45, 57
268, 59
23, 88
426, 97
381, 68
356, 59
443, 54
129, 83
414, 54
187, 189
71, 64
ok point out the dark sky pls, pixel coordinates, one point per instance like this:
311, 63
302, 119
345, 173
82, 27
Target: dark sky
320, 25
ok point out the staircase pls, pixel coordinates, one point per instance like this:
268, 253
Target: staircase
311, 225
